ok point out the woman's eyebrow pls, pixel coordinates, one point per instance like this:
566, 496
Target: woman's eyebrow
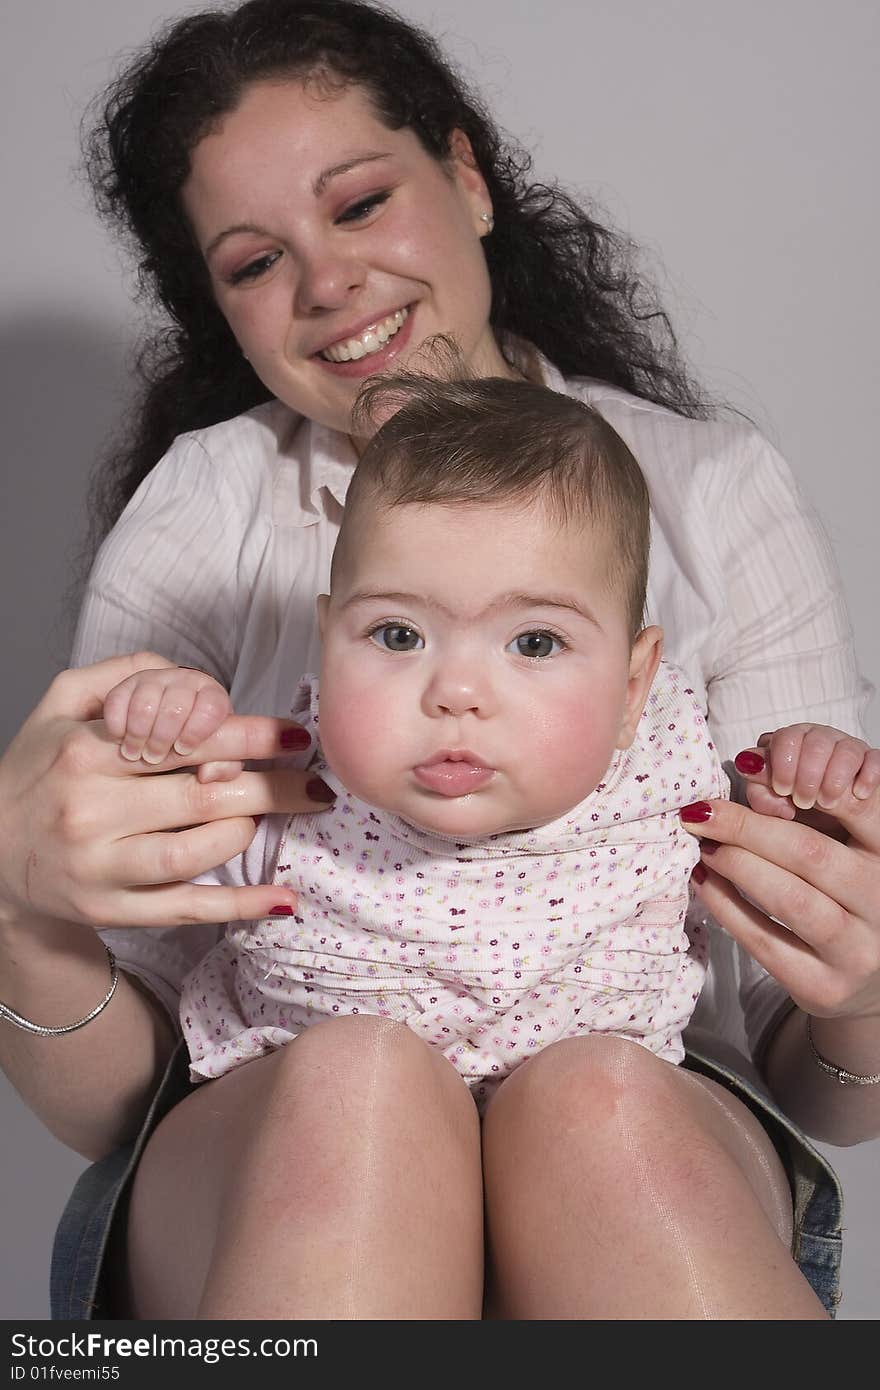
345, 167
232, 231
318, 188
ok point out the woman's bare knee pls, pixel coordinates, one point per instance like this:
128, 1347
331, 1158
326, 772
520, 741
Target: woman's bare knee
363, 1061
589, 1076
345, 1100
363, 1040
674, 1202
384, 1218
639, 1120
160, 1264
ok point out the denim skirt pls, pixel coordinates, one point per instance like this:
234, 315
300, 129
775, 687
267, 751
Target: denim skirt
98, 1205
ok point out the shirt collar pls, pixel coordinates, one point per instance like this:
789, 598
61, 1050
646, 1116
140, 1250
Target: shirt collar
332, 459
550, 375
533, 364
327, 458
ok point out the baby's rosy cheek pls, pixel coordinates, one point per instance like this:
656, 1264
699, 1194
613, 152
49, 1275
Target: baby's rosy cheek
580, 745
355, 736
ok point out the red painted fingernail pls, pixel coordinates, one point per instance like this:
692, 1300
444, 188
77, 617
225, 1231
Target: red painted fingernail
749, 762
698, 873
283, 910
696, 813
294, 738
708, 846
316, 790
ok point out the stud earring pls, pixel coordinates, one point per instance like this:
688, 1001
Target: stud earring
489, 221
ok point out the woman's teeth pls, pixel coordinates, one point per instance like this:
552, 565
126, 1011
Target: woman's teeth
373, 339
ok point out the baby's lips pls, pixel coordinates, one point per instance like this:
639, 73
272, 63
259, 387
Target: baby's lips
749, 763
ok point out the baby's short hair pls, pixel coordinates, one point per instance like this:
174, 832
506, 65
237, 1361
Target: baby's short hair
496, 440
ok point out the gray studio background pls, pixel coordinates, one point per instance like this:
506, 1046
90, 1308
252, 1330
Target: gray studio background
736, 142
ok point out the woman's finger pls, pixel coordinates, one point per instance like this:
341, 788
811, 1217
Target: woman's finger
240, 738
754, 765
218, 772
180, 855
805, 911
764, 800
175, 802
844, 981
860, 818
785, 955
846, 876
185, 904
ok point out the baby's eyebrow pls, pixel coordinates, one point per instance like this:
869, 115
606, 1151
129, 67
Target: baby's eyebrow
394, 596
510, 601
567, 601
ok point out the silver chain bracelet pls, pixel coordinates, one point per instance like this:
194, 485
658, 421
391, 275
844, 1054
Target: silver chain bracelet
846, 1078
21, 1022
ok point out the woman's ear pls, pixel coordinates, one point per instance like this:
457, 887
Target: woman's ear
644, 660
466, 172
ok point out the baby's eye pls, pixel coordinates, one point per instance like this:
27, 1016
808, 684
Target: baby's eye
396, 637
536, 644
254, 269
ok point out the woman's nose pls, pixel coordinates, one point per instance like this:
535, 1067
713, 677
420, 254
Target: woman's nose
328, 276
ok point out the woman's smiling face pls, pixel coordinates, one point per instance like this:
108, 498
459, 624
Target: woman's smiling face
336, 246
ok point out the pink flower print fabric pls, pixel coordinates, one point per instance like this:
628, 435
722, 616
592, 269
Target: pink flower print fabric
488, 950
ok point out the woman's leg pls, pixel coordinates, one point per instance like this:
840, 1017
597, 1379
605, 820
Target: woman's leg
621, 1187
336, 1178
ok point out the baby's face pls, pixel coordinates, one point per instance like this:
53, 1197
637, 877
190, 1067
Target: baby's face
477, 671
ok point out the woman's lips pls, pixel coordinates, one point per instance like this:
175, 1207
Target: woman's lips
373, 362
453, 777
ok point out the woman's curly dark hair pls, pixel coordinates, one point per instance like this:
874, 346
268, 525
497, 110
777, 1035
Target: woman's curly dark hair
559, 279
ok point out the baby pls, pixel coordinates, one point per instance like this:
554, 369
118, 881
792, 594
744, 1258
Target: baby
504, 864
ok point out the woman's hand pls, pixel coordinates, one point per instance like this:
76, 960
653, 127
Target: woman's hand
87, 836
825, 889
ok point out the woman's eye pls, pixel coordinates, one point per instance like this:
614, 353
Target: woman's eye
395, 637
254, 269
356, 212
536, 644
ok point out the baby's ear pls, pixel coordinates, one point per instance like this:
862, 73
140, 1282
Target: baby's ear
322, 605
644, 660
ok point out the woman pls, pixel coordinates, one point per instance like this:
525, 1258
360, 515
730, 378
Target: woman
297, 222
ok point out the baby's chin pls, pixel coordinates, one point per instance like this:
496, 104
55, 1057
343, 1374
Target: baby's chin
468, 817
